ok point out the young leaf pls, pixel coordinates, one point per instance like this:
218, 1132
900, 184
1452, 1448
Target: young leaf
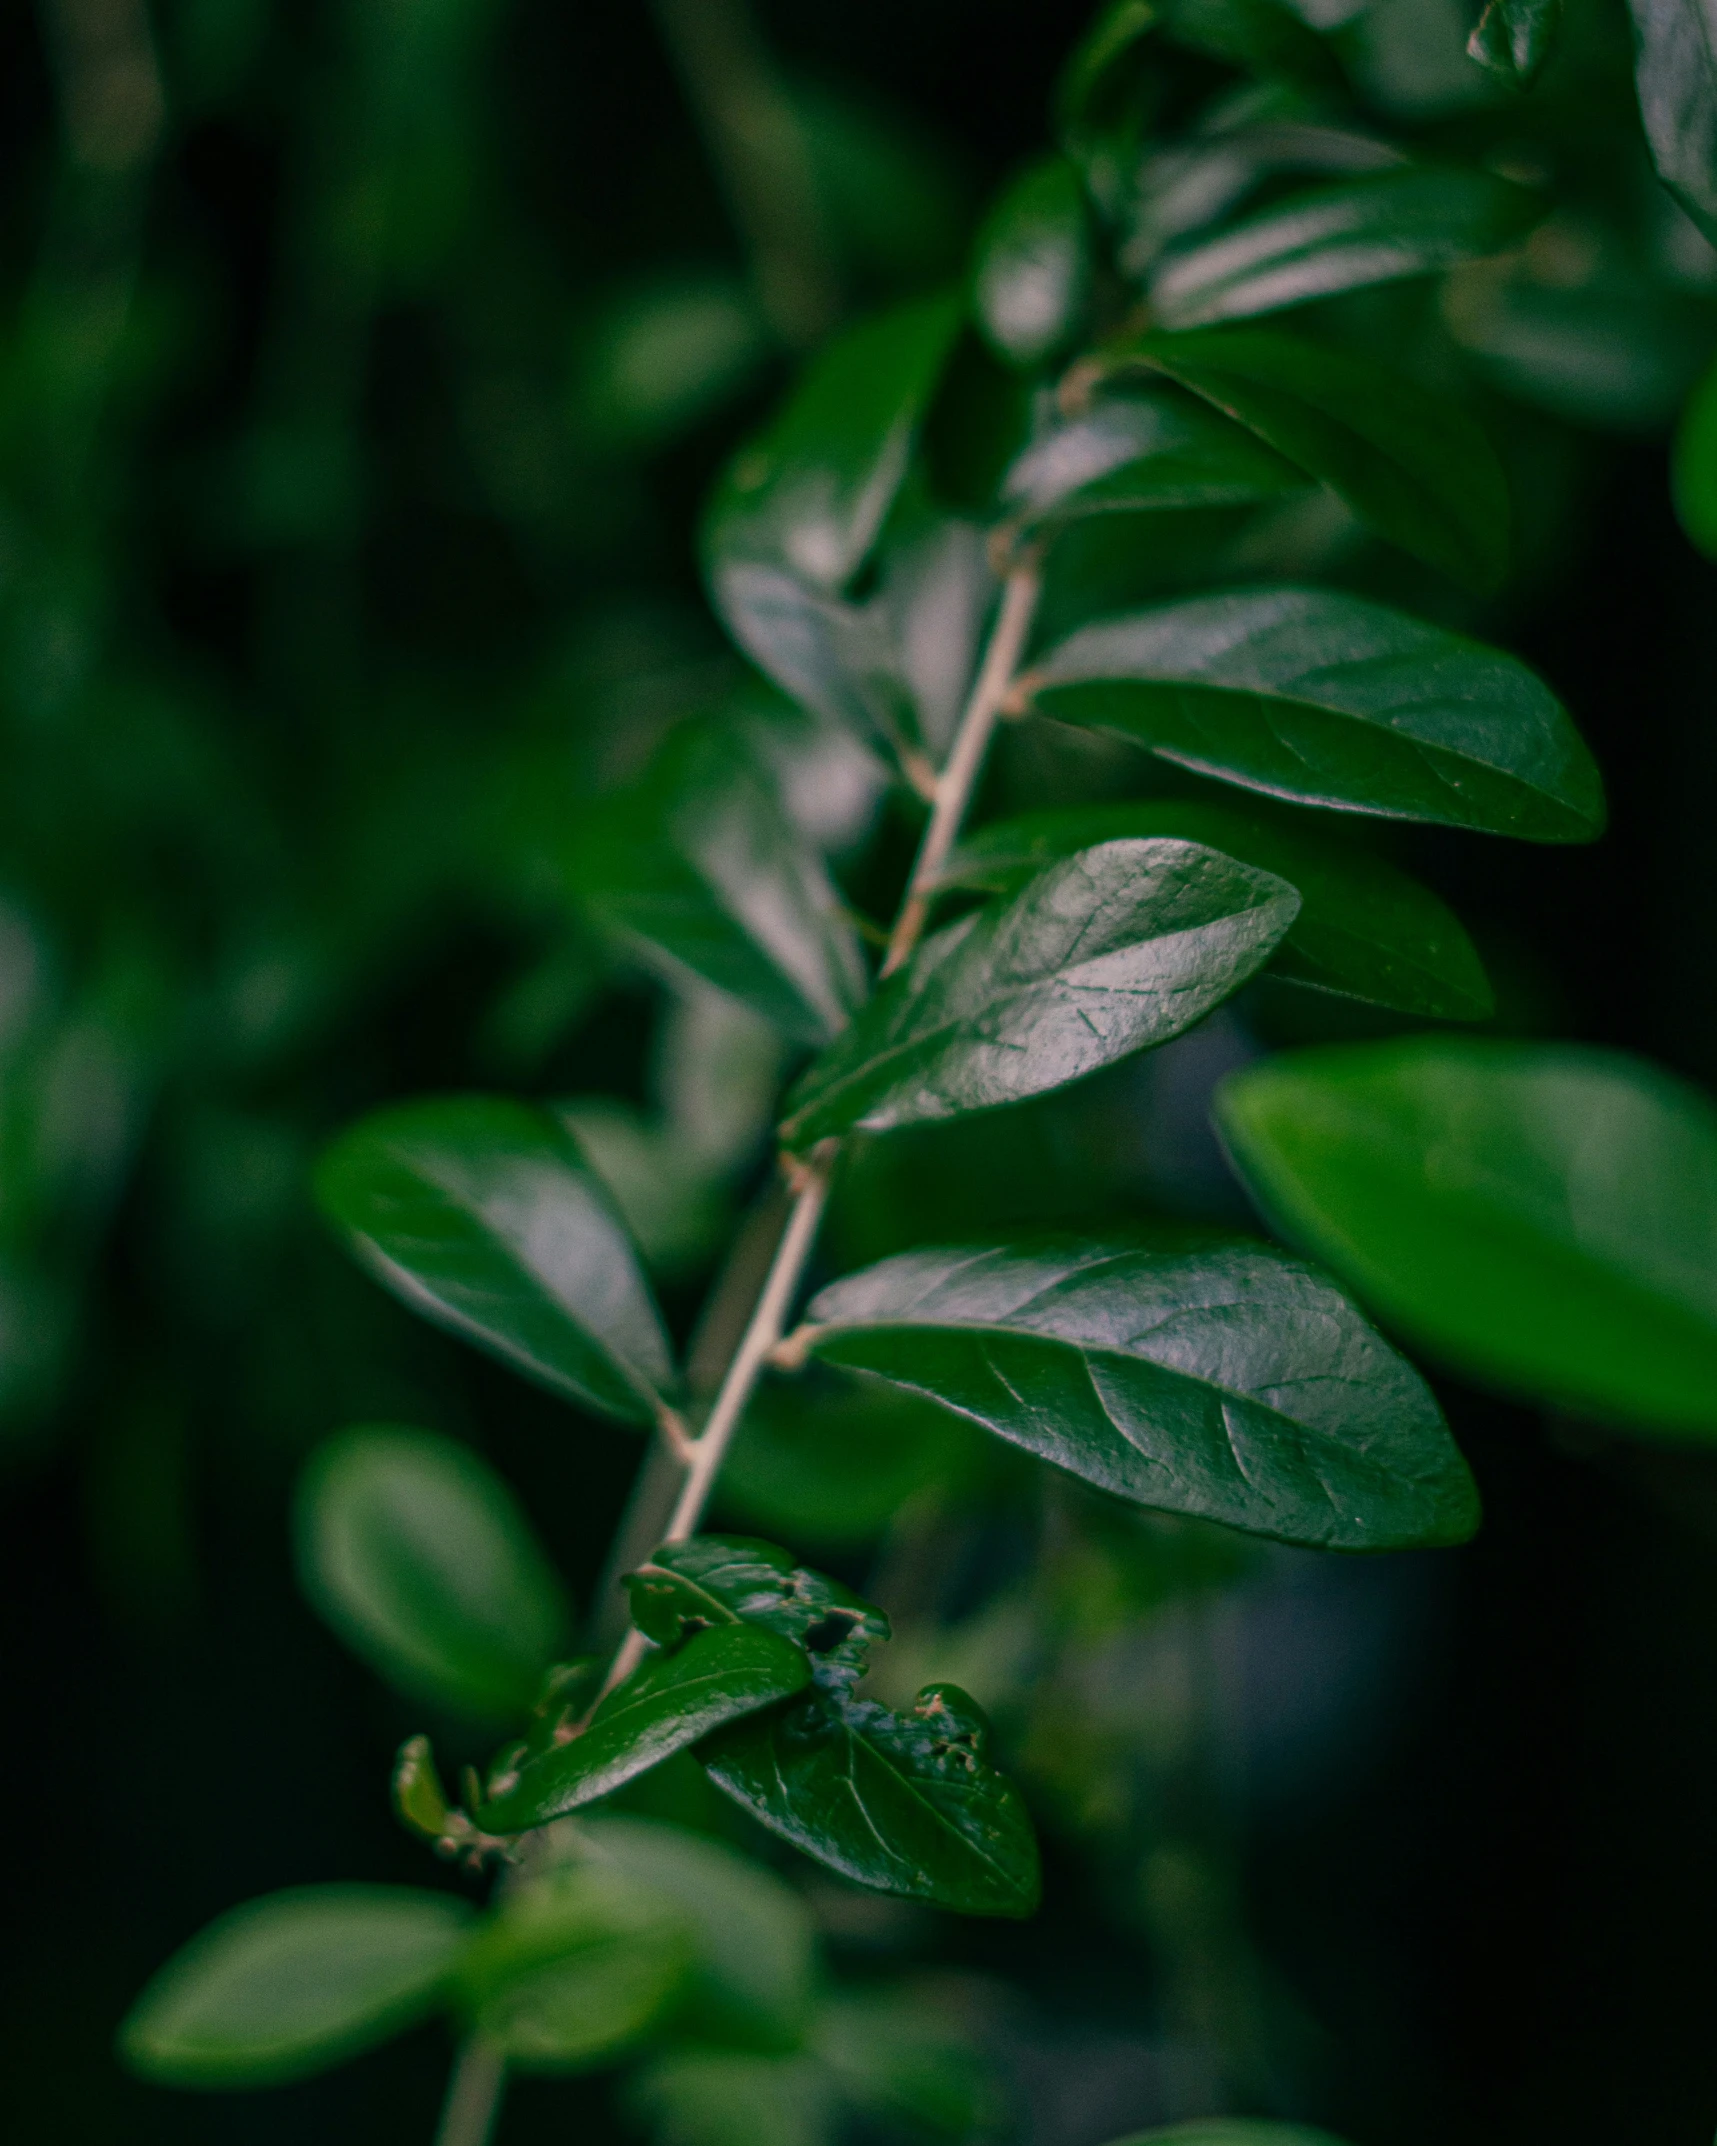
1031, 280
723, 1579
811, 494
1513, 38
1132, 453
1341, 237
482, 1214
294, 1982
905, 1803
1102, 954
756, 1942
574, 1966
1364, 929
700, 871
664, 1705
1544, 1217
1329, 700
419, 1557
1676, 74
1413, 465
1190, 1373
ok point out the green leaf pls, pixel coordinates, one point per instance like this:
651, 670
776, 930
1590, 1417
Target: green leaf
1134, 453
1675, 72
1260, 35
699, 870
901, 2052
419, 1799
1230, 2131
1413, 465
1031, 278
482, 1214
420, 1558
905, 1803
1694, 470
294, 1982
1104, 953
1341, 237
1329, 700
1099, 115
665, 354
731, 2097
1364, 929
1545, 1217
664, 1705
574, 1966
726, 1579
756, 1942
1194, 1374
1513, 38
810, 495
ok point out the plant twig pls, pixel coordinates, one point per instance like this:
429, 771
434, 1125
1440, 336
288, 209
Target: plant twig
473, 2095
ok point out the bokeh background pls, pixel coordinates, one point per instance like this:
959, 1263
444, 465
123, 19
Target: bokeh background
362, 366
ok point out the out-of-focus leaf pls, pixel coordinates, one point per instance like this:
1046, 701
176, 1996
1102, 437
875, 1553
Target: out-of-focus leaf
895, 204
663, 357
1031, 278
756, 1942
1099, 113
1329, 700
671, 1201
420, 1558
733, 2097
1676, 75
898, 2056
905, 1803
294, 1982
664, 1705
1543, 1216
575, 1965
810, 495
1262, 36
699, 871
1132, 453
482, 1214
1364, 929
1194, 1374
728, 1579
1694, 470
1341, 238
1513, 38
1103, 953
1415, 466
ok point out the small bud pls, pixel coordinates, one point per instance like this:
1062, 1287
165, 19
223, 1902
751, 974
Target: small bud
418, 1795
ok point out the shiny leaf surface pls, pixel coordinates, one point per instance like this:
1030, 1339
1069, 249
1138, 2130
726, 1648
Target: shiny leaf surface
664, 1705
1512, 38
482, 1214
700, 872
1364, 929
1329, 700
905, 1803
1031, 279
289, 1984
419, 1557
1341, 237
1202, 1375
1413, 465
1544, 1216
1675, 71
728, 1579
1103, 953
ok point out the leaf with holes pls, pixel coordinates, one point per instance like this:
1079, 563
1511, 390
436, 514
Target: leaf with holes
714, 1580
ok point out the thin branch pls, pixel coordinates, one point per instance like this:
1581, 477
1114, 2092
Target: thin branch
474, 2094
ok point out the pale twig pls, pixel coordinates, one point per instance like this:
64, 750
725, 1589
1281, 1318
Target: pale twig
473, 2095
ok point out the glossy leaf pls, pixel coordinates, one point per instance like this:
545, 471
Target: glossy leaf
1675, 72
1031, 279
419, 1557
482, 1214
1102, 954
699, 870
664, 1705
294, 1982
1513, 38
1695, 466
905, 1803
1324, 698
1544, 1216
1134, 453
575, 1965
1194, 1374
1341, 237
726, 1579
1415, 466
755, 1939
1364, 928
811, 494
